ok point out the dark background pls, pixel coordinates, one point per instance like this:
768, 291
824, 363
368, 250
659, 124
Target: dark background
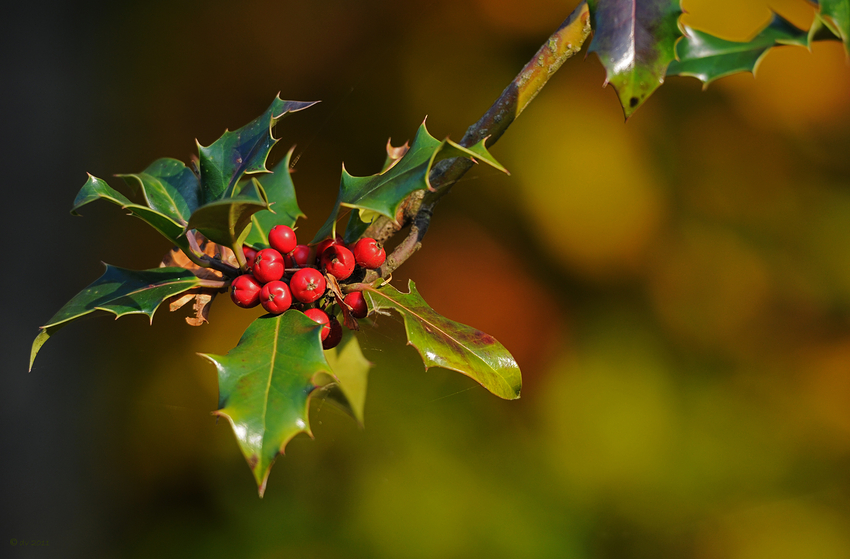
676, 290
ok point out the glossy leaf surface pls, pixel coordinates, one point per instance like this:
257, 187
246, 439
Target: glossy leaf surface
98, 189
352, 372
445, 343
707, 58
383, 193
224, 221
121, 292
169, 187
280, 192
635, 41
265, 383
242, 151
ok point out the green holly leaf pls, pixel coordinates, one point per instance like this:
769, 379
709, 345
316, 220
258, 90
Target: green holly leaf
835, 15
445, 343
265, 384
98, 189
383, 193
634, 40
707, 57
281, 197
351, 369
121, 292
243, 151
224, 221
169, 187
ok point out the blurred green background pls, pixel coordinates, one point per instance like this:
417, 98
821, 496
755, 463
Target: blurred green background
676, 290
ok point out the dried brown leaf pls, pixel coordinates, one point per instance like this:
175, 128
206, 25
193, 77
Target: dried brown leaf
394, 154
201, 299
176, 257
181, 301
203, 303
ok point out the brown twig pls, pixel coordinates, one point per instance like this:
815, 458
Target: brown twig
222, 267
565, 42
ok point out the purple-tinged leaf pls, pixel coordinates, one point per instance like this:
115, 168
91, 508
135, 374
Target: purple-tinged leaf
242, 151
635, 41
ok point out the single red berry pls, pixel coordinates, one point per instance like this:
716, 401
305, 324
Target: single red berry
322, 247
282, 239
368, 253
334, 335
307, 285
268, 265
357, 302
321, 317
300, 255
338, 261
275, 297
250, 253
245, 291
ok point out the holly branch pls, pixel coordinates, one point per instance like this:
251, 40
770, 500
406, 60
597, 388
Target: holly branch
418, 208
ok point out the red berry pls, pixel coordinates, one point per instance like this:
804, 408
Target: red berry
300, 255
322, 247
307, 285
334, 335
245, 291
250, 253
338, 261
282, 239
275, 297
268, 265
368, 253
321, 317
357, 302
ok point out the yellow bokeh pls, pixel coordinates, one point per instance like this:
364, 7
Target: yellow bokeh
587, 186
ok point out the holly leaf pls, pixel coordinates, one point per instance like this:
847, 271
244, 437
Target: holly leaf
224, 221
243, 151
634, 40
360, 220
169, 187
835, 15
708, 58
280, 192
445, 343
121, 292
97, 189
351, 369
384, 193
265, 384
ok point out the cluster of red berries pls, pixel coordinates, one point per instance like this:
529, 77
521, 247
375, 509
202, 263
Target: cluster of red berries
287, 276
